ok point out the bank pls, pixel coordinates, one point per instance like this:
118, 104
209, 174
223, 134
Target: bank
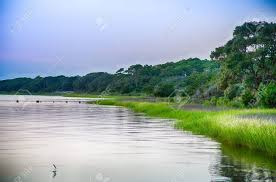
237, 128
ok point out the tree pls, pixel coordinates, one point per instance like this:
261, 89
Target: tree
164, 90
267, 95
120, 71
249, 57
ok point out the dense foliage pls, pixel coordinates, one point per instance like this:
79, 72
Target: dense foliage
241, 73
248, 64
159, 80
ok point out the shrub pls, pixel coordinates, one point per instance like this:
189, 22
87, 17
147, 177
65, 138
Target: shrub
233, 91
222, 101
163, 90
267, 95
210, 102
248, 98
236, 102
212, 91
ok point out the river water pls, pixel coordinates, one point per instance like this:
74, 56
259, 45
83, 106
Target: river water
105, 143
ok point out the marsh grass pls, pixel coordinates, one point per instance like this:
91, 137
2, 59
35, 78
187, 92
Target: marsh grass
227, 127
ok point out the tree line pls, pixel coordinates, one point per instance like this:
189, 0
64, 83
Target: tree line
241, 73
158, 80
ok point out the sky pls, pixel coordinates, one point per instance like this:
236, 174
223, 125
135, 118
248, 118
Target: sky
76, 37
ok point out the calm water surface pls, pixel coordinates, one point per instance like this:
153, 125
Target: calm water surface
105, 143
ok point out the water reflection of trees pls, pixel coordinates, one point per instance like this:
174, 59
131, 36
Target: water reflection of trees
241, 165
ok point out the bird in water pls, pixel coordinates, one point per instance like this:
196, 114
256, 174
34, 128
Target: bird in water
54, 171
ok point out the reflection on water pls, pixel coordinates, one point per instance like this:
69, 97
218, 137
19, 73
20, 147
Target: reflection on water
103, 143
247, 165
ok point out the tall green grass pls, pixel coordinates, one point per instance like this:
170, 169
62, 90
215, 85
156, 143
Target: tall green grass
227, 127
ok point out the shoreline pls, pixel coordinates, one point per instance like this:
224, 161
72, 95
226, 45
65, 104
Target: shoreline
253, 129
226, 126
